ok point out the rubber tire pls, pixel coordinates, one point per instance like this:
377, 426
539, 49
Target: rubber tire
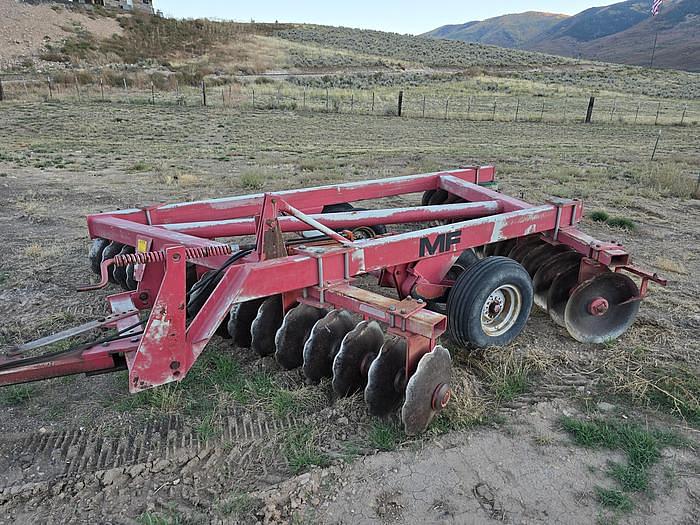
470, 292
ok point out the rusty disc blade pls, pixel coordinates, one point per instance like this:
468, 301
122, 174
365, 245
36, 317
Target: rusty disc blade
293, 333
112, 249
95, 254
323, 344
503, 248
131, 283
434, 370
361, 344
617, 290
240, 321
540, 255
119, 272
385, 386
559, 292
543, 278
524, 247
265, 325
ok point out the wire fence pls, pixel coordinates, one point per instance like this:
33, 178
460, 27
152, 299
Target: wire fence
418, 102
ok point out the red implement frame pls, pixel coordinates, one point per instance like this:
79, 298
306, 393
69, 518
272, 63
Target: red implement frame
317, 272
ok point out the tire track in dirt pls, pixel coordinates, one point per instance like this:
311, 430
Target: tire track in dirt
28, 460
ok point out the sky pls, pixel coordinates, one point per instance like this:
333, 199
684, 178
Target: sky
392, 15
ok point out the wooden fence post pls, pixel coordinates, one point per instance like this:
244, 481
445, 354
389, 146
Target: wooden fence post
636, 115
656, 145
685, 108
517, 109
153, 94
102, 89
48, 80
400, 102
2, 91
469, 107
658, 110
327, 101
253, 96
612, 109
77, 87
493, 117
447, 105
204, 93
304, 103
352, 102
589, 112
542, 113
223, 97
423, 114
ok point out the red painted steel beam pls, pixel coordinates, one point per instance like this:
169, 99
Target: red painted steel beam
303, 269
100, 358
309, 200
473, 193
338, 221
128, 232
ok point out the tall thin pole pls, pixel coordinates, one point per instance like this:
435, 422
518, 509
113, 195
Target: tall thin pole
653, 51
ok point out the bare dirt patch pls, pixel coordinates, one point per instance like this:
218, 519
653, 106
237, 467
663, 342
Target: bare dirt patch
26, 29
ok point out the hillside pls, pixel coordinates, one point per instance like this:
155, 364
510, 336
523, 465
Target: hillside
504, 31
621, 32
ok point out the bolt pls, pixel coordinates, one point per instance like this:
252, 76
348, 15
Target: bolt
174, 365
421, 301
143, 296
176, 257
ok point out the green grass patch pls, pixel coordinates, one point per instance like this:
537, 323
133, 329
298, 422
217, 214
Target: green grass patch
152, 518
511, 386
613, 499
642, 446
139, 167
16, 394
615, 222
252, 180
384, 435
599, 216
301, 451
237, 504
621, 222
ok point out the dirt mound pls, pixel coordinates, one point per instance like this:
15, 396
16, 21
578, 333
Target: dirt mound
26, 29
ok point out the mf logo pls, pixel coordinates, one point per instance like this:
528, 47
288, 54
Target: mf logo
442, 243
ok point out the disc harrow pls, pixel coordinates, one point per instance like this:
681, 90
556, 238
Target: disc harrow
474, 267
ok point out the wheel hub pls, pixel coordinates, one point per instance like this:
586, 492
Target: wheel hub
441, 396
598, 306
501, 310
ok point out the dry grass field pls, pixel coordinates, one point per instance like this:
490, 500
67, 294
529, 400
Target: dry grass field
545, 430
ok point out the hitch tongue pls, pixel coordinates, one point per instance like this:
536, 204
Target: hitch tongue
70, 332
104, 277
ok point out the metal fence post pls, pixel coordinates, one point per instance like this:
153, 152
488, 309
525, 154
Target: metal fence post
589, 112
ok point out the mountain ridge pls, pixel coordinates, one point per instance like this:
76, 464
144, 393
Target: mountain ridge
622, 33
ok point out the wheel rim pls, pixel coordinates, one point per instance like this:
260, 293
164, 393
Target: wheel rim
501, 310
